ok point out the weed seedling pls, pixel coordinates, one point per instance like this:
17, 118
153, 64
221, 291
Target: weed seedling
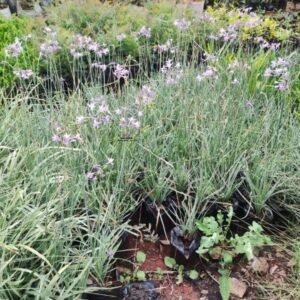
218, 245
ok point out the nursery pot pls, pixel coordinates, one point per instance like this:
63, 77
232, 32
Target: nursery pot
185, 246
140, 290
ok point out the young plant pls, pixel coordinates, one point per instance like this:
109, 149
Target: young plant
136, 274
172, 264
215, 241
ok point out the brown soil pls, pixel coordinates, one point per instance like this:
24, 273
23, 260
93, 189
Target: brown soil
277, 264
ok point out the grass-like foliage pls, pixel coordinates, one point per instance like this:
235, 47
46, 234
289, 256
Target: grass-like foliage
209, 112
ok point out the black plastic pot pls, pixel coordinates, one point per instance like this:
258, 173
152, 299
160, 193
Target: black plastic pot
183, 245
136, 290
140, 290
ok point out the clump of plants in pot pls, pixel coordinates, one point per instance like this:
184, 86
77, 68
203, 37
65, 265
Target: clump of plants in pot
184, 237
218, 242
156, 189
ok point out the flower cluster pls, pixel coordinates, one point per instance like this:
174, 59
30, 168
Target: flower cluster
99, 66
66, 139
238, 66
145, 32
81, 45
15, 49
98, 171
229, 34
120, 37
24, 74
209, 73
279, 71
182, 24
172, 71
265, 44
165, 47
51, 45
146, 95
121, 72
99, 112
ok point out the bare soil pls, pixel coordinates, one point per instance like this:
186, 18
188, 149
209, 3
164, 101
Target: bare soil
272, 266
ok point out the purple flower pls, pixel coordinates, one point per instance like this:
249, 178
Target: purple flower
96, 123
249, 104
121, 72
182, 24
98, 170
209, 73
281, 85
90, 176
49, 47
67, 139
101, 67
14, 50
56, 138
145, 32
110, 161
24, 74
120, 37
146, 95
229, 34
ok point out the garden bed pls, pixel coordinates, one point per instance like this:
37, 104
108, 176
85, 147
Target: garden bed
149, 153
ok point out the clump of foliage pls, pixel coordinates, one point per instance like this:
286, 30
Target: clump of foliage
216, 242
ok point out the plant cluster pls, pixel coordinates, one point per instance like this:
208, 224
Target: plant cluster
216, 242
185, 136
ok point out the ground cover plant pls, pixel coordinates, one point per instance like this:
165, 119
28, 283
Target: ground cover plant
189, 127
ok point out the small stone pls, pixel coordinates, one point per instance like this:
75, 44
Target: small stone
260, 265
204, 292
237, 287
273, 269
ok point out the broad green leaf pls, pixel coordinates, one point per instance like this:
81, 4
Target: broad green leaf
140, 257
224, 284
193, 274
170, 262
141, 275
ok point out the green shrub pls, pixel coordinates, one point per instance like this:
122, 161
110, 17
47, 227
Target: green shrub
28, 59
